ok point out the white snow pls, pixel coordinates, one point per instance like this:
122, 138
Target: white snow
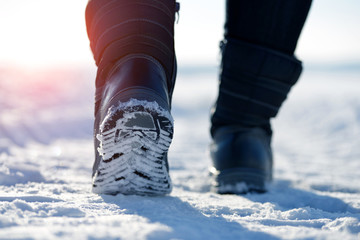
46, 156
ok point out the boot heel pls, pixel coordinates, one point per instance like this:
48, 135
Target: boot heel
239, 181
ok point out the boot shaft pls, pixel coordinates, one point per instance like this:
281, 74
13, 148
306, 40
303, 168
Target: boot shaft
117, 28
254, 82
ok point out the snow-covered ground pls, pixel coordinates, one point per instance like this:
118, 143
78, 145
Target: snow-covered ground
46, 157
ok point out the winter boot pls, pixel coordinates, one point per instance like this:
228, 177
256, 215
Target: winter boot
133, 46
254, 83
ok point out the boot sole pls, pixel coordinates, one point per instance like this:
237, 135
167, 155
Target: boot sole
133, 150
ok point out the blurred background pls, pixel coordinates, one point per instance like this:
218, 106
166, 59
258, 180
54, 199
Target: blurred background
37, 34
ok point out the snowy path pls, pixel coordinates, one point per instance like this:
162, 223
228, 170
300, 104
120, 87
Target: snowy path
46, 158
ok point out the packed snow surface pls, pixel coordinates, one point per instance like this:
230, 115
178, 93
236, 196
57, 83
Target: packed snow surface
46, 156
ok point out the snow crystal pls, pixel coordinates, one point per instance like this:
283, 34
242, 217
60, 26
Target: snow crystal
129, 105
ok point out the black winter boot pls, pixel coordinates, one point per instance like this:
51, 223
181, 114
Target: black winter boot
133, 46
254, 83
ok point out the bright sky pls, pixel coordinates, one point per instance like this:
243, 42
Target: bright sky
43, 32
40, 33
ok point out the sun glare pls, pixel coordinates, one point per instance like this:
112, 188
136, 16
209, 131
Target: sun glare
40, 33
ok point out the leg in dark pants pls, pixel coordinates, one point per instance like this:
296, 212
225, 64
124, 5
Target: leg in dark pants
133, 46
258, 70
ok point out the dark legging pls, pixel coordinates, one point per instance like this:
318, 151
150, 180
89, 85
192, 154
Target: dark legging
274, 24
